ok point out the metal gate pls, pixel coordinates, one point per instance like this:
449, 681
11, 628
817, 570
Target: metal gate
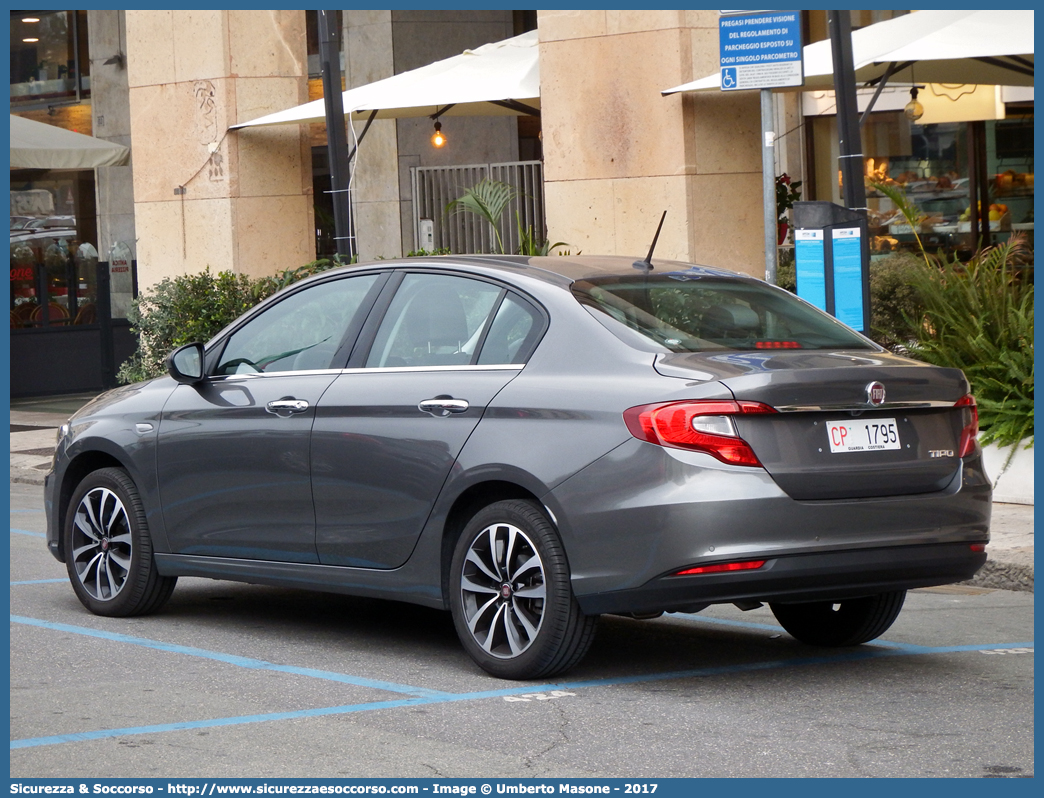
434, 187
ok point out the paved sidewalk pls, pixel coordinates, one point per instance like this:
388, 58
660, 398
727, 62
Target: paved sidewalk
34, 424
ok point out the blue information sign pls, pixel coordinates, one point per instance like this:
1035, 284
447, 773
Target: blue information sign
810, 266
848, 276
761, 50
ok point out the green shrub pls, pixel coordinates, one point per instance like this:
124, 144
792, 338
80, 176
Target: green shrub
196, 307
895, 304
978, 317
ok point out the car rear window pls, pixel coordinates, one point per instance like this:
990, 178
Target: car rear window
687, 312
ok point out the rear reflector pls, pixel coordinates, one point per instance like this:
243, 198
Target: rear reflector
970, 431
978, 547
748, 565
685, 425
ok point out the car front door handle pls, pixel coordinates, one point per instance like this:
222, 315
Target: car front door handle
443, 406
286, 406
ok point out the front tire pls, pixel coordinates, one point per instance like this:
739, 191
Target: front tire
108, 549
840, 623
510, 594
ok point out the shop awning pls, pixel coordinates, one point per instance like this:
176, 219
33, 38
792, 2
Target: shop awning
973, 47
502, 78
35, 145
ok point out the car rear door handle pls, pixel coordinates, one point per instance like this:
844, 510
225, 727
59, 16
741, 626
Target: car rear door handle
443, 406
286, 406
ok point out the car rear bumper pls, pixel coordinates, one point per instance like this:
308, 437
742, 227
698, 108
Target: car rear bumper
643, 513
801, 577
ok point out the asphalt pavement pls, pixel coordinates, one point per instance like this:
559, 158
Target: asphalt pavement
34, 423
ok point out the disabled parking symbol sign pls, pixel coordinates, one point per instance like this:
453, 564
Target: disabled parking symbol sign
728, 77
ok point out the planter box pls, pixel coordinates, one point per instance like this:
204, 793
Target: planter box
1014, 484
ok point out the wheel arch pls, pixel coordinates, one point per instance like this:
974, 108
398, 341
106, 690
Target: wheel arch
464, 507
77, 469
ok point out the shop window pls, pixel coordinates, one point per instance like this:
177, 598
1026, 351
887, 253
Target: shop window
1009, 168
937, 168
53, 248
50, 62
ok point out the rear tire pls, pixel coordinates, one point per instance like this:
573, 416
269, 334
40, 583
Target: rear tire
840, 623
510, 594
108, 549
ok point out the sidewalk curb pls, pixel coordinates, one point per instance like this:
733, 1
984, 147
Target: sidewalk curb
27, 476
1002, 575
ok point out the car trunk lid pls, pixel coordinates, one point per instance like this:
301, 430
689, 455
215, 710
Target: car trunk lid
827, 441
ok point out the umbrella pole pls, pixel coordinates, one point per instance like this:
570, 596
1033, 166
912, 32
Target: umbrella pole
336, 137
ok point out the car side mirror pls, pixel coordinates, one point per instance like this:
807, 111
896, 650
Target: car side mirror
185, 364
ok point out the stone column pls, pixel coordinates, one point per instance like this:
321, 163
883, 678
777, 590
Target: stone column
205, 196
375, 186
617, 153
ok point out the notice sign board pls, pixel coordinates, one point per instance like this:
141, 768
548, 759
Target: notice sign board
848, 276
761, 50
832, 262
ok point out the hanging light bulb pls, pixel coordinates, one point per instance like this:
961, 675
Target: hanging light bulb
438, 141
913, 110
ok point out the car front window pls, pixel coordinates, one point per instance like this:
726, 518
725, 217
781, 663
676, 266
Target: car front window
690, 312
302, 332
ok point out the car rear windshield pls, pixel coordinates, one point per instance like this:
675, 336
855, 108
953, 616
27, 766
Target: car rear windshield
694, 312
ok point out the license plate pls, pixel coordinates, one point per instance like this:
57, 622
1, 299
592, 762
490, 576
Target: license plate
863, 435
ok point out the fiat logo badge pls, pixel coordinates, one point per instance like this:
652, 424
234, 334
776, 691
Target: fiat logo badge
875, 394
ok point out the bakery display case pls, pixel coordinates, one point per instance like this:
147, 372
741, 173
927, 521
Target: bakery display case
933, 174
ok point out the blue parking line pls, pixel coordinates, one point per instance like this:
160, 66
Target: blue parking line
229, 659
206, 724
446, 698
27, 532
39, 581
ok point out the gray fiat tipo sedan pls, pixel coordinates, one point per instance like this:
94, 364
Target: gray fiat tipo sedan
529, 443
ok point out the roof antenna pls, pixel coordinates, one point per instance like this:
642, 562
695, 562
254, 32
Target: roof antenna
646, 265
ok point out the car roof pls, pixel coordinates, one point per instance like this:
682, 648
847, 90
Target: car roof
561, 270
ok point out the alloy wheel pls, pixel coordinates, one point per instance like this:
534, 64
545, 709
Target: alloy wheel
101, 544
503, 590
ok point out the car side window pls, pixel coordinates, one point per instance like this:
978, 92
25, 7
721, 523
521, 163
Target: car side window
302, 332
434, 320
514, 333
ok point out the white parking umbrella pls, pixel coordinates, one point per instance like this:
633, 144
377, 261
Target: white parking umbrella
35, 145
502, 78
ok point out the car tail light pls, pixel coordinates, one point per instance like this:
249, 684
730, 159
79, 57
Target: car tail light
747, 565
970, 430
777, 345
702, 426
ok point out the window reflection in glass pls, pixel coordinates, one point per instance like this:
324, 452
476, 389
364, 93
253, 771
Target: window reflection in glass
24, 299
302, 332
86, 260
434, 320
49, 56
